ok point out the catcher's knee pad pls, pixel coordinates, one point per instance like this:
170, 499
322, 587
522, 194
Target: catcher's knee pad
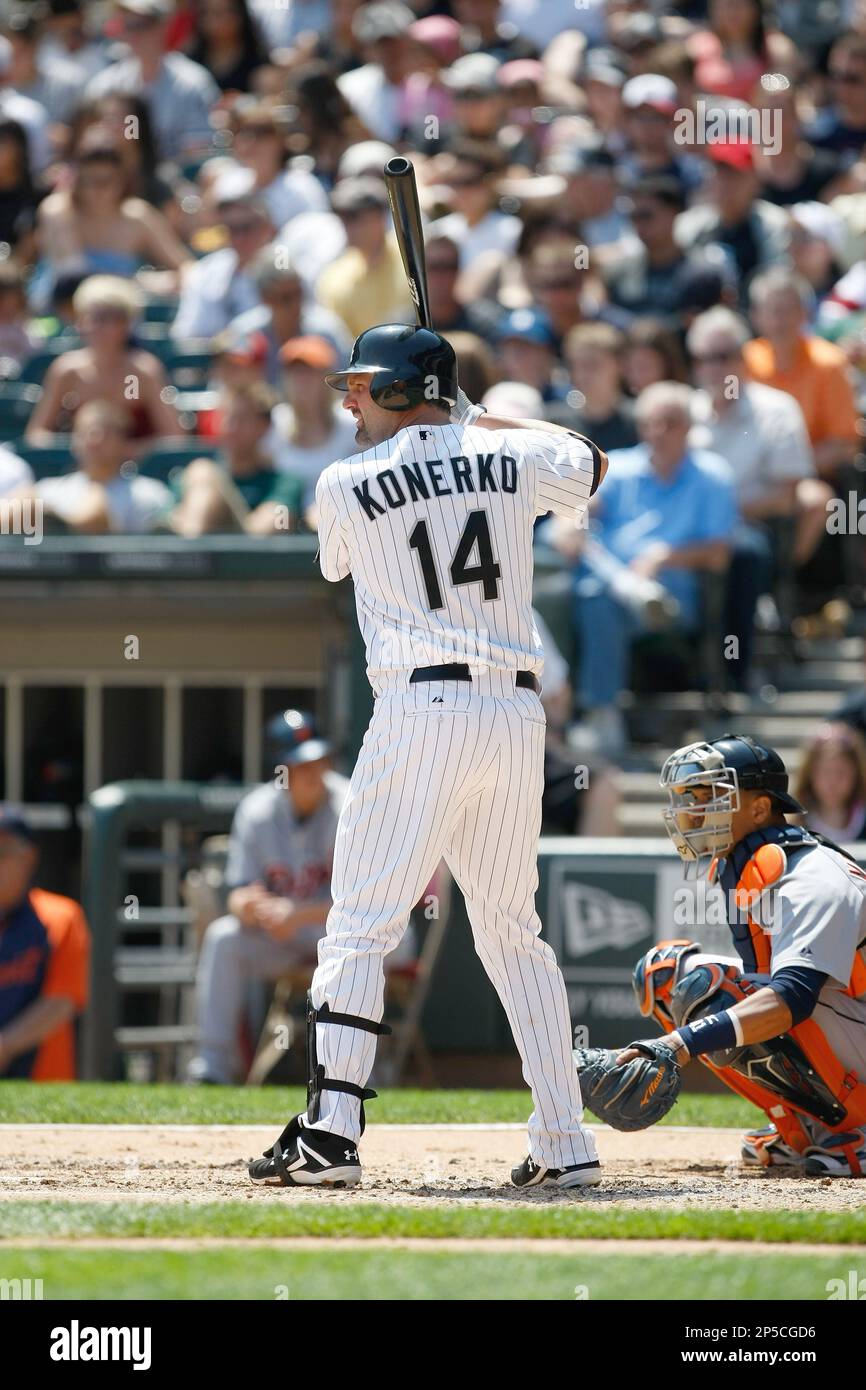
774, 1071
656, 975
317, 1081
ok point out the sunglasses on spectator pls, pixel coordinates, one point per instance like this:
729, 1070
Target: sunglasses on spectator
107, 314
666, 422
643, 214
849, 76
442, 267
241, 228
140, 25
715, 358
284, 296
259, 132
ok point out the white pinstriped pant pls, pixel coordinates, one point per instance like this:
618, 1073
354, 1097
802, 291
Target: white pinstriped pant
449, 770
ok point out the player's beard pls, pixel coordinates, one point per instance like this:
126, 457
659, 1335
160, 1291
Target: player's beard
362, 437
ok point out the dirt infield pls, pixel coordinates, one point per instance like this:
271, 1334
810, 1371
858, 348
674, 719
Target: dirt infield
663, 1167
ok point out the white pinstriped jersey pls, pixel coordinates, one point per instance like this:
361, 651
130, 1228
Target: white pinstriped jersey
435, 526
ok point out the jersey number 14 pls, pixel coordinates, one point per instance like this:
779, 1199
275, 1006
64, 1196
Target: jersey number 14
486, 572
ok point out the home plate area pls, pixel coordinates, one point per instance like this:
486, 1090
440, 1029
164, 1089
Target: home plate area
667, 1166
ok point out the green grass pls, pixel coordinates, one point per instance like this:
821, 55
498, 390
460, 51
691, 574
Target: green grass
121, 1103
376, 1275
577, 1218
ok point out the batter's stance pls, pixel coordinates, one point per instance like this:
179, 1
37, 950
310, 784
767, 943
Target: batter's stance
434, 521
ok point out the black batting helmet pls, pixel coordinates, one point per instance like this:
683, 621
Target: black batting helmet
410, 366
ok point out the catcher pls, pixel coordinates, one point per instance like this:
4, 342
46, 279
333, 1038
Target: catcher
784, 1022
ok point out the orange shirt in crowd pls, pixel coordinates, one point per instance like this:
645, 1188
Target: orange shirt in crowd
819, 380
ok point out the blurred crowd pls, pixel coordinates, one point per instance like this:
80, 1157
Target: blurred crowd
646, 221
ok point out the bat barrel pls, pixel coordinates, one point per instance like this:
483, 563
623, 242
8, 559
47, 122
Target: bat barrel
403, 197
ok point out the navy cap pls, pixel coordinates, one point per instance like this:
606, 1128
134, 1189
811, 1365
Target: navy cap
293, 738
530, 325
12, 822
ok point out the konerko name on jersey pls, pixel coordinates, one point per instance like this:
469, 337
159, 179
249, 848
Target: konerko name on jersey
435, 526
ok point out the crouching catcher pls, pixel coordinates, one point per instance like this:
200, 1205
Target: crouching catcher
783, 1023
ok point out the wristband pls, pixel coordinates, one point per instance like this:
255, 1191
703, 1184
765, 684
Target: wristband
718, 1033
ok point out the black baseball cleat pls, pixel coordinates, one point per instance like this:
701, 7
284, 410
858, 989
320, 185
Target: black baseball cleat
305, 1157
530, 1174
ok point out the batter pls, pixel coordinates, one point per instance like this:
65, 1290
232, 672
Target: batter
433, 519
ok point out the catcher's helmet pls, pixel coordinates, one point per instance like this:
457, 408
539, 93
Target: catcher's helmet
410, 366
759, 768
726, 766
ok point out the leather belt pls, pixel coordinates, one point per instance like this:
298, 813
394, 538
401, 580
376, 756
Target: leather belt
459, 671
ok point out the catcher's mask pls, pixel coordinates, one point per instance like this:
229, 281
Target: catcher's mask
704, 781
703, 794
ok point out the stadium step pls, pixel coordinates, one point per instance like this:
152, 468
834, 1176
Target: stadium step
808, 691
144, 967
159, 1035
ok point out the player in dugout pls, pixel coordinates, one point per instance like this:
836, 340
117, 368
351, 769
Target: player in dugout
782, 1023
44, 958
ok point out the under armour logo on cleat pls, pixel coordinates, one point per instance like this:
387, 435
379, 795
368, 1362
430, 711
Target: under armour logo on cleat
351, 1153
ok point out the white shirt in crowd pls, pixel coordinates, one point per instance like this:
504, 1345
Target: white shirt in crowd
14, 472
34, 118
762, 436
291, 193
180, 99
542, 20
312, 241
498, 231
214, 292
134, 504
374, 100
309, 464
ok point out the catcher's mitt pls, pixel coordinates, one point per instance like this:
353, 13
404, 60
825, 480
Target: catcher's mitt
634, 1095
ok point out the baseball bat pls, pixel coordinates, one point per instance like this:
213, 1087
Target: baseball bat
403, 197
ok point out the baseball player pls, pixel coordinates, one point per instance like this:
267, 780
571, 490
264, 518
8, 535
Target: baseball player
434, 522
783, 1023
278, 879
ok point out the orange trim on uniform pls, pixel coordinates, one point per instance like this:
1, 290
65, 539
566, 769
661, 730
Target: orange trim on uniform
857, 983
66, 976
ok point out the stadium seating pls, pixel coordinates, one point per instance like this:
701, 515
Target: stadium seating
159, 310
35, 368
164, 457
187, 363
17, 399
46, 460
